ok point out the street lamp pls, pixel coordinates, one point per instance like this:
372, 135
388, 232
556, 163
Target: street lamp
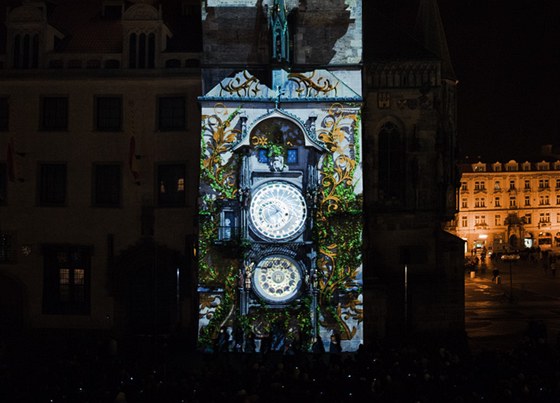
511, 257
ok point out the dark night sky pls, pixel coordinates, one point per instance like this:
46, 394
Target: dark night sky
506, 55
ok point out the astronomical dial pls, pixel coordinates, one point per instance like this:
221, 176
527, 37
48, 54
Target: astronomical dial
278, 211
277, 279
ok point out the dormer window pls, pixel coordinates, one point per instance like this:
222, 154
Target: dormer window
26, 51
144, 35
142, 51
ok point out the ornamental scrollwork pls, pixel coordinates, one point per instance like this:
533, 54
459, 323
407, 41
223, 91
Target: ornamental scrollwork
308, 86
218, 137
248, 86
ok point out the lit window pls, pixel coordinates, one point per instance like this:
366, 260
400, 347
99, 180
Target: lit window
171, 185
66, 279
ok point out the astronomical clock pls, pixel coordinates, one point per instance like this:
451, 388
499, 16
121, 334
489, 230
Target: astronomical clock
280, 211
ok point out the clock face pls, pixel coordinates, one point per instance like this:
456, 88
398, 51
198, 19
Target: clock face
277, 279
277, 211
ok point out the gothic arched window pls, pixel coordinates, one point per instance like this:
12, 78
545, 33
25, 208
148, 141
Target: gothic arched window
391, 162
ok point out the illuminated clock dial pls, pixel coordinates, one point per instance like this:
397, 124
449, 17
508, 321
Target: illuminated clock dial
278, 211
277, 279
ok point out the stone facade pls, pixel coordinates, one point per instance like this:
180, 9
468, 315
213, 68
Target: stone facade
139, 66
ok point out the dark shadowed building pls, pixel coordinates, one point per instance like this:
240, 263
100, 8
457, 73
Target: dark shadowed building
282, 167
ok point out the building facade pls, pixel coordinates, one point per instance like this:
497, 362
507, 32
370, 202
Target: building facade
512, 205
183, 165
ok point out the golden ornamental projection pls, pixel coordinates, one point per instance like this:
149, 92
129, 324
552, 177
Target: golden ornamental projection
218, 136
309, 85
248, 86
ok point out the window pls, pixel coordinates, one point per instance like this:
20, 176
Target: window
391, 163
527, 184
512, 202
3, 183
464, 187
528, 219
4, 114
497, 186
464, 203
26, 51
262, 155
106, 185
171, 185
54, 113
7, 248
544, 200
292, 156
109, 114
172, 113
483, 220
557, 183
557, 217
476, 220
497, 220
497, 202
477, 202
464, 221
544, 218
142, 51
543, 184
557, 199
527, 200
512, 185
52, 184
66, 280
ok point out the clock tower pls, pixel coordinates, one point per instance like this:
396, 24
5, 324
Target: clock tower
280, 212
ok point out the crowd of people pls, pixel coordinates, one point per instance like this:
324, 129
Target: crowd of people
162, 370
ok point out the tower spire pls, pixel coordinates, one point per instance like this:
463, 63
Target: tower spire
429, 30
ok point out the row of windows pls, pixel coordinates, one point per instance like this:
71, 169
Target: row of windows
480, 202
513, 166
108, 114
106, 185
480, 220
480, 186
142, 51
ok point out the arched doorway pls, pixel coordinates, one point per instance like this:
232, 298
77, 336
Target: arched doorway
11, 306
146, 283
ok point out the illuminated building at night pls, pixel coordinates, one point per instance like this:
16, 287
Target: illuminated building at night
244, 164
509, 205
